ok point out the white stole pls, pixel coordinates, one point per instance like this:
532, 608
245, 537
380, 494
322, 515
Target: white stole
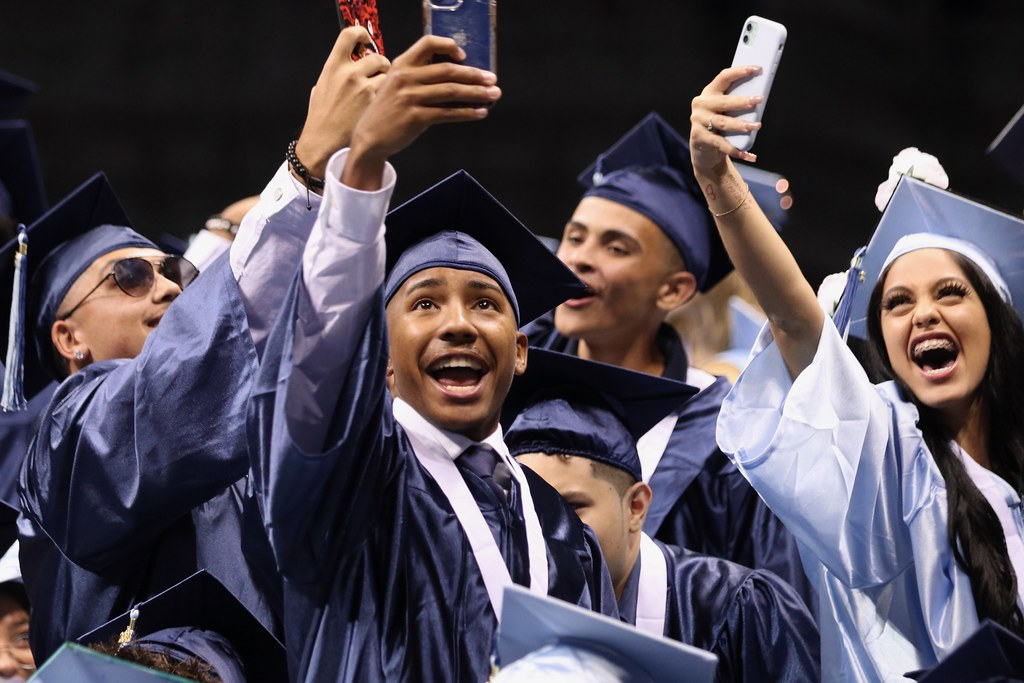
438, 458
652, 593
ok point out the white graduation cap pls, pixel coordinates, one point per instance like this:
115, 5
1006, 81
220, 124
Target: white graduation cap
541, 638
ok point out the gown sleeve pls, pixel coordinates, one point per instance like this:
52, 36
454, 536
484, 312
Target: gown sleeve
320, 413
823, 452
115, 460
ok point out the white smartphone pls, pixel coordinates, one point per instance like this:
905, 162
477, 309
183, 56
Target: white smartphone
761, 42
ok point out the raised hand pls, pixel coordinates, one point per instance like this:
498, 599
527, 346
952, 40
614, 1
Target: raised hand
416, 94
709, 119
342, 93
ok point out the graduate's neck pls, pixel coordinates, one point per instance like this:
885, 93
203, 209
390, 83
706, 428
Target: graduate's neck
639, 353
633, 556
970, 427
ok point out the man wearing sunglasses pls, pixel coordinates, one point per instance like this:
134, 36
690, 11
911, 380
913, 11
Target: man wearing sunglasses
137, 476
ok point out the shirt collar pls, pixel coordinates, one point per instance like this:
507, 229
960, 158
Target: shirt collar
447, 442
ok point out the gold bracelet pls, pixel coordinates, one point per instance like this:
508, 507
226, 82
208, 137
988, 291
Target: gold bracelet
735, 208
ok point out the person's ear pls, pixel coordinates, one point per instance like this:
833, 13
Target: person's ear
389, 373
68, 342
675, 290
638, 498
522, 347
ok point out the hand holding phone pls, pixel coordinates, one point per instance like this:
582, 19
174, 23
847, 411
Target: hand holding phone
362, 13
761, 42
472, 24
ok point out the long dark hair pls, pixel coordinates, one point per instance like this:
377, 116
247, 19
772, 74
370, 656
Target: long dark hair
975, 534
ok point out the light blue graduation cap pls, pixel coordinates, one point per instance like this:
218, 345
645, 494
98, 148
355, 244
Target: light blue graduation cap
1008, 147
76, 663
917, 207
541, 638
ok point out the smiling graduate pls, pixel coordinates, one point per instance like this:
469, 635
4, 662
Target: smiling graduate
399, 517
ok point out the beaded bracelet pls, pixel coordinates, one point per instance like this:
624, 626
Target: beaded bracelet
308, 178
735, 208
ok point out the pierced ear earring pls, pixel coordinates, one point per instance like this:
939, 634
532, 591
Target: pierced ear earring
79, 355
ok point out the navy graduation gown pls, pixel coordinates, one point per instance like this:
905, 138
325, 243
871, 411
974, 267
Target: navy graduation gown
137, 476
701, 501
16, 432
380, 580
756, 623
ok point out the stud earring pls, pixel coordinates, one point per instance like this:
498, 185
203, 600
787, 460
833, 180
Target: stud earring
79, 355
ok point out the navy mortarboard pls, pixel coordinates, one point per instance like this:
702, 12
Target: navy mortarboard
21, 186
992, 654
74, 664
1008, 147
13, 91
458, 224
547, 634
62, 244
648, 170
921, 216
200, 618
567, 405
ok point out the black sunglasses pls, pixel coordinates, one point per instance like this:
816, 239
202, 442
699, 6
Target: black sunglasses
136, 277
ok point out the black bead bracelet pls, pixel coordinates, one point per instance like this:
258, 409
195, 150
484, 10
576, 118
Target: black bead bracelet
308, 178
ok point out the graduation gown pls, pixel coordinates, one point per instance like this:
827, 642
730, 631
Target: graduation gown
137, 477
701, 501
755, 623
381, 583
16, 432
843, 463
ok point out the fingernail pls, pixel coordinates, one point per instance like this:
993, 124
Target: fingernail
756, 99
754, 126
494, 92
750, 156
755, 69
481, 113
490, 77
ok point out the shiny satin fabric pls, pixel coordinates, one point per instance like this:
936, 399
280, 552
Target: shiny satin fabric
380, 580
137, 476
700, 500
842, 463
756, 623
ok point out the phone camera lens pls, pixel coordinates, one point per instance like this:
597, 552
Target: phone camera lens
746, 39
750, 27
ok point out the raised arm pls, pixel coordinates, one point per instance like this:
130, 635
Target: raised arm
269, 243
756, 249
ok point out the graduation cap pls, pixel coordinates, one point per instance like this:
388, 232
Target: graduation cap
73, 663
745, 323
458, 224
61, 245
567, 405
1008, 147
770, 191
538, 635
20, 179
649, 170
992, 653
13, 91
920, 215
195, 618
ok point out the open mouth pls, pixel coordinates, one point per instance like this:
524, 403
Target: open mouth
935, 356
457, 374
586, 297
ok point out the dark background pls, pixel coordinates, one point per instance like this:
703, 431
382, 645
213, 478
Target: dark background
189, 105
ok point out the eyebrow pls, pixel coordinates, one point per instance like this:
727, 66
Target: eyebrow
606, 235
425, 283
483, 284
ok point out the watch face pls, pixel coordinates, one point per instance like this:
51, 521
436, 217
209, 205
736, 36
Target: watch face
362, 13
